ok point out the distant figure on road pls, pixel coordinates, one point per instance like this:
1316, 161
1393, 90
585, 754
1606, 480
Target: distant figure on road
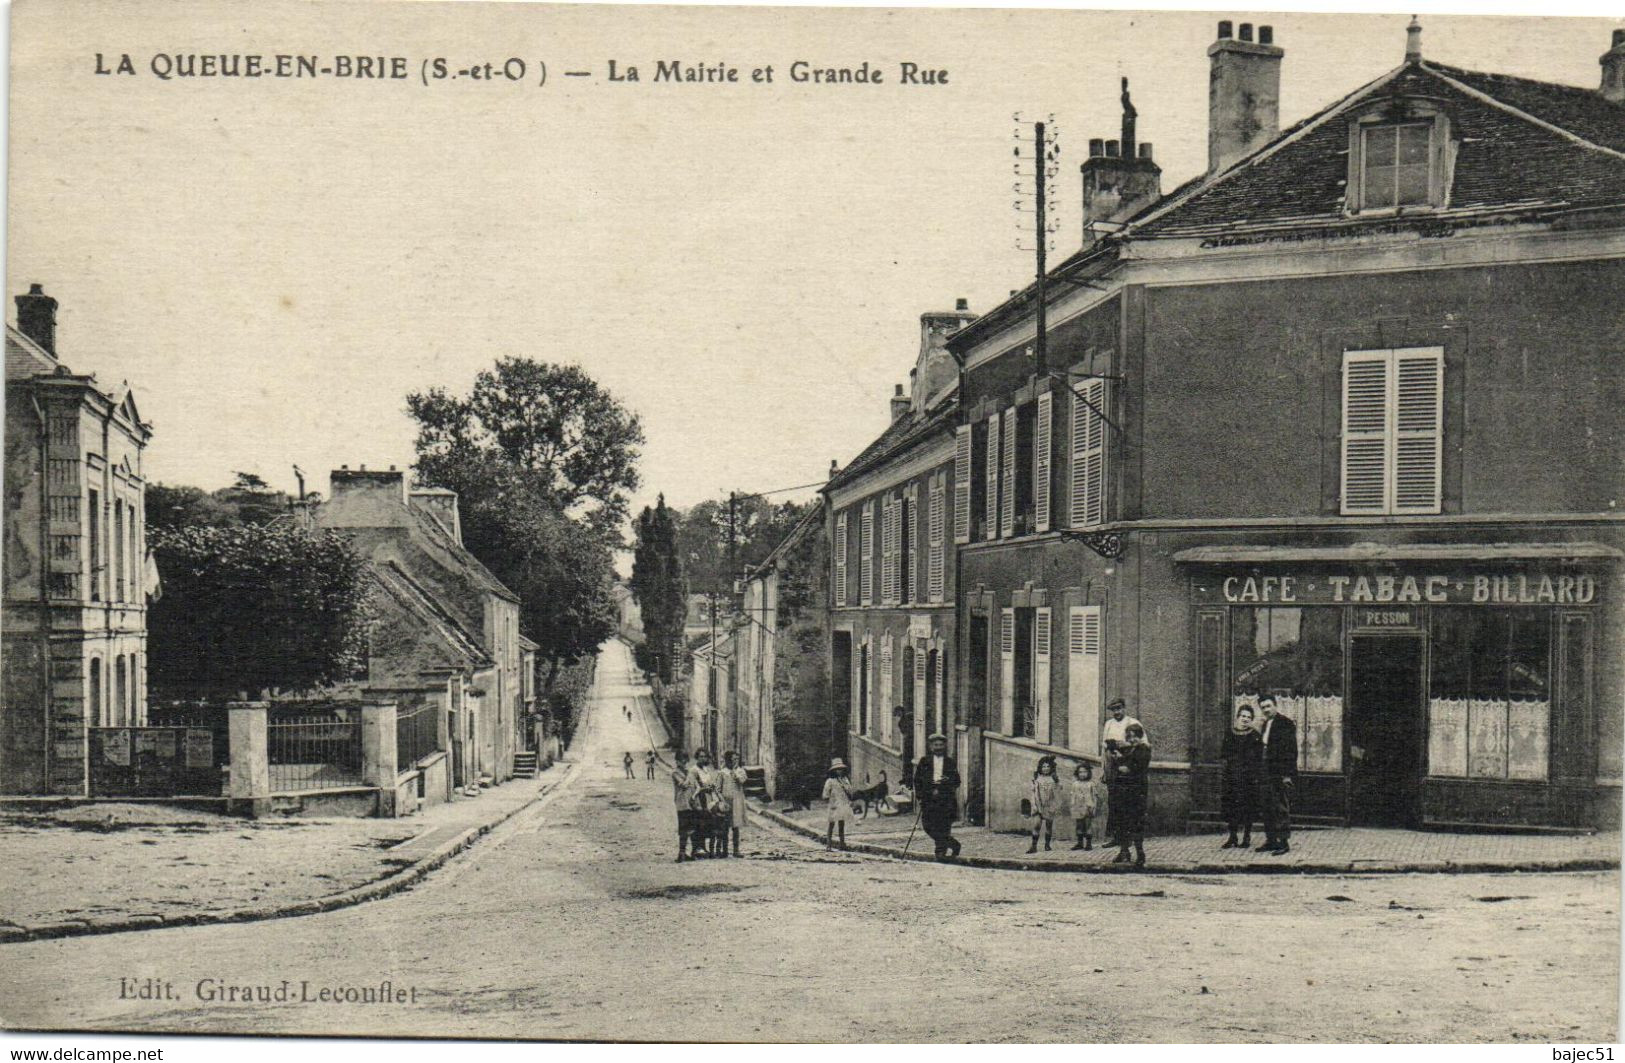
682, 796
649, 762
1133, 770
1280, 738
733, 792
1243, 756
936, 789
838, 796
626, 762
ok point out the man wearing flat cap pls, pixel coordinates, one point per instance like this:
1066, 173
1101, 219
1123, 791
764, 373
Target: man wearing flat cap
936, 788
1112, 743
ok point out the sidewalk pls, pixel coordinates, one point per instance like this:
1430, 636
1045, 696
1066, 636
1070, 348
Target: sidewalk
124, 866
1326, 851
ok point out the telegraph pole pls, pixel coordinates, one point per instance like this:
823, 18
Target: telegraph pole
1040, 156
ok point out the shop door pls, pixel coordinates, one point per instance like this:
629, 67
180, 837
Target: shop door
1385, 737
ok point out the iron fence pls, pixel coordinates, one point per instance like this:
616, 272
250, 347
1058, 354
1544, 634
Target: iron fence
315, 751
156, 762
417, 735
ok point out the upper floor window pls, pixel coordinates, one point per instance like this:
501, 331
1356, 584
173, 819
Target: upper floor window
1399, 156
1393, 428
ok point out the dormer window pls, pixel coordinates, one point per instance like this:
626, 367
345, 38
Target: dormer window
1399, 158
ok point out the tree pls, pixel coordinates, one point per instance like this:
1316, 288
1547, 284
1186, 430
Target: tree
249, 500
759, 525
575, 442
657, 583
249, 607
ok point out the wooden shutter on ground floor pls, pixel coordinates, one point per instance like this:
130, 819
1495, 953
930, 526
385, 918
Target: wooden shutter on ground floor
1041, 658
1083, 644
1007, 671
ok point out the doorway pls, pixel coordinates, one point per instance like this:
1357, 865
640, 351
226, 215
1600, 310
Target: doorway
1385, 738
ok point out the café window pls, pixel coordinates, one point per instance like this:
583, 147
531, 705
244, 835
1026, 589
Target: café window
1399, 155
1489, 693
1295, 654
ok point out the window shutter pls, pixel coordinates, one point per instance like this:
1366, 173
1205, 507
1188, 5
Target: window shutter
885, 705
1041, 461
886, 555
1365, 431
1007, 671
1087, 504
866, 549
962, 484
840, 560
896, 550
939, 549
1419, 408
990, 528
1007, 504
1041, 656
922, 711
1083, 678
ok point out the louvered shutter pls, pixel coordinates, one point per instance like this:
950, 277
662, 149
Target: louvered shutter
866, 549
1419, 405
922, 711
1041, 461
1083, 678
1007, 502
885, 704
939, 549
962, 441
888, 550
1366, 387
1041, 657
1007, 670
1087, 501
840, 560
990, 528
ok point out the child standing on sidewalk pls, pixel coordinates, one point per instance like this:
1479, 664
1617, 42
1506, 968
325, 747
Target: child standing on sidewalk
1083, 795
1046, 801
838, 796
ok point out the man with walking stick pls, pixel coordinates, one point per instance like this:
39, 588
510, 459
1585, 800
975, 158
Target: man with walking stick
936, 789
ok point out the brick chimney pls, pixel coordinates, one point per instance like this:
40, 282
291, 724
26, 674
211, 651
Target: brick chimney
1613, 72
440, 504
934, 368
359, 498
1243, 94
899, 403
36, 317
1119, 178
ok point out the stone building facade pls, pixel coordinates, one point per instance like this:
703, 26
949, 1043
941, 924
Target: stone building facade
76, 569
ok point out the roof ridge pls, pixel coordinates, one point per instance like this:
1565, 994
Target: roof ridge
1519, 112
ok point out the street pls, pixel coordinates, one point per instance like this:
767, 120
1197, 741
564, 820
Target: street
573, 921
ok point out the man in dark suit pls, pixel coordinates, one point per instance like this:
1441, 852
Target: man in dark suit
1280, 737
936, 788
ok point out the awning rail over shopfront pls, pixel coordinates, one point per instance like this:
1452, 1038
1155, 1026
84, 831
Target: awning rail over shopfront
1384, 552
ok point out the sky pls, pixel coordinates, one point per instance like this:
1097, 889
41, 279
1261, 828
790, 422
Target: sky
274, 264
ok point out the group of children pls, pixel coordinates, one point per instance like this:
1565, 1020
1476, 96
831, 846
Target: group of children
1050, 798
710, 804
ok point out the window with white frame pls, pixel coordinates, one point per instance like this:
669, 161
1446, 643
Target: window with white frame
1400, 154
1393, 428
1086, 504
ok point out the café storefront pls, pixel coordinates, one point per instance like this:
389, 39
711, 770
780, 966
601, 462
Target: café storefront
1431, 685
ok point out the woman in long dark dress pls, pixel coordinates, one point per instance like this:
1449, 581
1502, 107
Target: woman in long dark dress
1243, 755
1133, 769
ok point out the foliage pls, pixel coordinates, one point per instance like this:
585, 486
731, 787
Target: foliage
657, 582
574, 442
568, 697
248, 501
249, 607
758, 526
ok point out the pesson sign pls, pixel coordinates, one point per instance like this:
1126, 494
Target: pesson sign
1524, 588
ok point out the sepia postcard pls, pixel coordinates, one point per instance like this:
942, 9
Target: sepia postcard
611, 523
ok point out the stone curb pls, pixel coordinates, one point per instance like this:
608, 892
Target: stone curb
370, 891
1002, 863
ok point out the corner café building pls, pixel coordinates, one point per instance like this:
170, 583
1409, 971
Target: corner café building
1432, 685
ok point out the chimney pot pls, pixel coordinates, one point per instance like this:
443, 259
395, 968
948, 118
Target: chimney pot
1619, 38
1612, 88
962, 305
36, 317
1111, 149
1224, 29
1266, 35
899, 390
1145, 151
1097, 147
1246, 32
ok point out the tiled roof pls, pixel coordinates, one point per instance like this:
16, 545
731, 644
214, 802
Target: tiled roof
423, 634
1528, 146
898, 437
24, 357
